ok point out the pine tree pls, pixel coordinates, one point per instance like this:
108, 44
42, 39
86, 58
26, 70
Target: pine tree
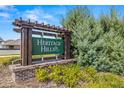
97, 43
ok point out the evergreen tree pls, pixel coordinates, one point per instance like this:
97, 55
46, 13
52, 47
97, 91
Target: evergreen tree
97, 43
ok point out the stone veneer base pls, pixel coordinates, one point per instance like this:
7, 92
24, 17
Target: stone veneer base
24, 73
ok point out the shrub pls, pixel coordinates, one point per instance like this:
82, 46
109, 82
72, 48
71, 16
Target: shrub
41, 74
66, 74
56, 74
69, 75
76, 76
106, 80
88, 74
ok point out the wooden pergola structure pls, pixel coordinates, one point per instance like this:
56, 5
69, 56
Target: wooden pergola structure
26, 29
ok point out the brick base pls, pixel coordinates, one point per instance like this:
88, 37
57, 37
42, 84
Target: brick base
23, 73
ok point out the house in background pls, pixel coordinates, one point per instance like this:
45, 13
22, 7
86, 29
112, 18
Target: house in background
1, 42
9, 47
11, 44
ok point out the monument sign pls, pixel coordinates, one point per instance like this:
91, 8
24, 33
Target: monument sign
30, 45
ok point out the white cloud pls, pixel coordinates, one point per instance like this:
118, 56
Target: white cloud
4, 15
2, 6
7, 11
33, 14
38, 14
61, 10
48, 16
7, 8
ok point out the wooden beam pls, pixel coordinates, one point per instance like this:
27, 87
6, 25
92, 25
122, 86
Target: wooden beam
39, 33
18, 30
46, 34
34, 25
47, 58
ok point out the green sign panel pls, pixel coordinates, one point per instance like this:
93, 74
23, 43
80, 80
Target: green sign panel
47, 46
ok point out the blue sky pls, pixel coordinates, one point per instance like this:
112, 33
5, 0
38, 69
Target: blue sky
49, 14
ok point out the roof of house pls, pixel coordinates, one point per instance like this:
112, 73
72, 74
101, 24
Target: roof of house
12, 42
1, 39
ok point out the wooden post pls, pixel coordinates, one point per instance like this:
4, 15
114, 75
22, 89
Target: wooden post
67, 45
21, 47
24, 46
29, 46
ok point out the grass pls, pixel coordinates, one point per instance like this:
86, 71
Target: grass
45, 55
7, 60
10, 55
76, 76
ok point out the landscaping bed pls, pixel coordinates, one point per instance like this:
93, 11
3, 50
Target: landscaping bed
68, 75
71, 77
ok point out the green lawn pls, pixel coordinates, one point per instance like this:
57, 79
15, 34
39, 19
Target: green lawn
7, 60
45, 55
12, 55
33, 56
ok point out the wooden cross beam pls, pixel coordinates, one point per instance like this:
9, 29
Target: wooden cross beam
36, 25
